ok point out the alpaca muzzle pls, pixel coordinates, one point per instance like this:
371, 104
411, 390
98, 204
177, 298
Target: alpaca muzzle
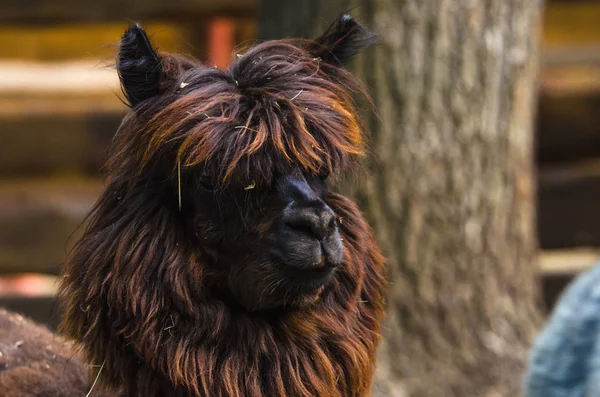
308, 244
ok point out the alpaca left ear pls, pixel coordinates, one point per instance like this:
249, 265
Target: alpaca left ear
139, 66
344, 39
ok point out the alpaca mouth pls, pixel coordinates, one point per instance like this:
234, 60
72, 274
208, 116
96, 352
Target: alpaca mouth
310, 276
308, 263
305, 261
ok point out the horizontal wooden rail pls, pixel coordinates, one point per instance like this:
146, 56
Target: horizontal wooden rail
569, 262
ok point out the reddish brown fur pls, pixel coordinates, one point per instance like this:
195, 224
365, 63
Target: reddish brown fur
143, 293
216, 120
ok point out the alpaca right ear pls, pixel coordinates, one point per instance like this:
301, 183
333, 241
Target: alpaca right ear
345, 38
139, 66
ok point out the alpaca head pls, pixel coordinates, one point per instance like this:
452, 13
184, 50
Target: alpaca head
245, 155
217, 236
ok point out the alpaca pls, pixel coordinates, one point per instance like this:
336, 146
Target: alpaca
34, 362
217, 262
564, 359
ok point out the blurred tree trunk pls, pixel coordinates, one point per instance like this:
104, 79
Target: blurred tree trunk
450, 192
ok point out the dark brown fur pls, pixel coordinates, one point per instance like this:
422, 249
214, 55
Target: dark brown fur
180, 300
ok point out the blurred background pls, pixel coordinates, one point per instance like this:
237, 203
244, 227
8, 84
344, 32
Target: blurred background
59, 108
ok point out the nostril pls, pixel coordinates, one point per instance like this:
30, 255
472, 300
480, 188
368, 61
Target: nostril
316, 222
304, 227
304, 222
328, 219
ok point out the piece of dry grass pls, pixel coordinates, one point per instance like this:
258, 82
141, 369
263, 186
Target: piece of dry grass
250, 186
297, 95
243, 127
96, 380
179, 180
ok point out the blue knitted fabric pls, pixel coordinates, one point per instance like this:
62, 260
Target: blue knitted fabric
565, 358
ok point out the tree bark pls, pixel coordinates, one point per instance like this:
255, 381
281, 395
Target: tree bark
450, 192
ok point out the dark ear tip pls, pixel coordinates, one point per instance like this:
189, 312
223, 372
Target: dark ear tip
352, 23
346, 18
134, 31
348, 23
138, 65
344, 38
135, 42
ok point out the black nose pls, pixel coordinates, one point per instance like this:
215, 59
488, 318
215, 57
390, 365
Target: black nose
314, 218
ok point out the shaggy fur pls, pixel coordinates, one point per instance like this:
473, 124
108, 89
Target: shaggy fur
34, 363
174, 285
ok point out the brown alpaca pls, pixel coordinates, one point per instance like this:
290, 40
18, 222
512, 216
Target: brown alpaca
217, 263
35, 363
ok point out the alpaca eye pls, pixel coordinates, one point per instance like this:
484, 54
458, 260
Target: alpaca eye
207, 183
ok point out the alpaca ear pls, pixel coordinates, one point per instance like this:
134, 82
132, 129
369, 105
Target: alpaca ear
139, 66
344, 39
